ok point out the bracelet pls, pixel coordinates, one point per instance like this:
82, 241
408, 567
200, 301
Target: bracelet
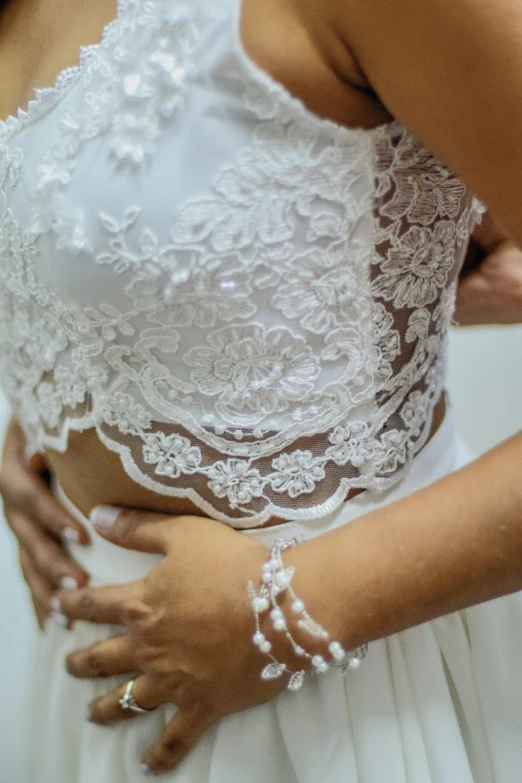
275, 580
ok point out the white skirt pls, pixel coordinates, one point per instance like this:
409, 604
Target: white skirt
439, 703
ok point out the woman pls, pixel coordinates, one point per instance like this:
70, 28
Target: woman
228, 274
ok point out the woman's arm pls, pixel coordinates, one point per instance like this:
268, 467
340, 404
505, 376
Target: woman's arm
452, 73
190, 624
452, 545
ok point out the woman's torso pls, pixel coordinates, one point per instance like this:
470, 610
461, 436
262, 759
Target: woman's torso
282, 43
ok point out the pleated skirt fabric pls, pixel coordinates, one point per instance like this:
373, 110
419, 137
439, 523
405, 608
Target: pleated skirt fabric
439, 703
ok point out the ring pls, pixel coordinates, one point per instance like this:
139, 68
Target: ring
128, 702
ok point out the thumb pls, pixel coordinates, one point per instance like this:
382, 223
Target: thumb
142, 531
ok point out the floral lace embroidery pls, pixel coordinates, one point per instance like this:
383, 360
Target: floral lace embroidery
283, 339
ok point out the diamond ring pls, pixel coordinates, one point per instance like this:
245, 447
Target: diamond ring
128, 702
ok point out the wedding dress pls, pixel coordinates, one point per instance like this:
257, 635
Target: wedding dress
250, 304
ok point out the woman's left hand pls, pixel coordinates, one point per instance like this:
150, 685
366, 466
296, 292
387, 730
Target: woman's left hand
189, 628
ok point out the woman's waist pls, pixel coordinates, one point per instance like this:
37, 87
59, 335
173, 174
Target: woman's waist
107, 563
249, 484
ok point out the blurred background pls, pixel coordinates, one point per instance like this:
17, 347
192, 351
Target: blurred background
485, 384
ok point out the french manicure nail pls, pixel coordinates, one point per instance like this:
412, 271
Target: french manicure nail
146, 770
104, 517
68, 583
58, 619
56, 605
71, 534
31, 450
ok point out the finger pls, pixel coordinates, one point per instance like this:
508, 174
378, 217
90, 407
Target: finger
180, 735
42, 506
103, 659
26, 490
108, 709
22, 480
40, 588
42, 593
142, 531
36, 462
115, 604
50, 513
48, 556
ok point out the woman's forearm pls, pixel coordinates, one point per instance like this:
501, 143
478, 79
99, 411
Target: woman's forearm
450, 546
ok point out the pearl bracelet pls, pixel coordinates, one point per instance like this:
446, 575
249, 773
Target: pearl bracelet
275, 580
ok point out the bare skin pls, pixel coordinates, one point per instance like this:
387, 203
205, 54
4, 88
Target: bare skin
336, 57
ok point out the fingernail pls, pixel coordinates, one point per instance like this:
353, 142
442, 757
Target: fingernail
58, 619
68, 583
56, 605
71, 534
146, 770
31, 450
104, 517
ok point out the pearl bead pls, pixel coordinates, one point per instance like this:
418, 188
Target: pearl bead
265, 646
300, 651
323, 667
267, 577
298, 606
260, 604
279, 624
317, 660
282, 580
274, 564
267, 567
354, 663
258, 638
337, 651
276, 614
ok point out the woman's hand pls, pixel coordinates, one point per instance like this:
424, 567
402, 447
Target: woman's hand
39, 523
189, 627
490, 288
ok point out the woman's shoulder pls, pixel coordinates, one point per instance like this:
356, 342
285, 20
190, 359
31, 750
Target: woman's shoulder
450, 73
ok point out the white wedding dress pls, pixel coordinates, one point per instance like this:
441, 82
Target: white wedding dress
250, 305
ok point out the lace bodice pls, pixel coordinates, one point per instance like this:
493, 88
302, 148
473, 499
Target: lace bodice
249, 303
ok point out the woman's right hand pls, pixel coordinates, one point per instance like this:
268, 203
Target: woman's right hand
490, 286
40, 524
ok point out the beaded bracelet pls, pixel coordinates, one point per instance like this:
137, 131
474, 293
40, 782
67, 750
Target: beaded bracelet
275, 580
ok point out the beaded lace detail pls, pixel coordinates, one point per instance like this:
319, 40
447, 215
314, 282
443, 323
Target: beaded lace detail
249, 304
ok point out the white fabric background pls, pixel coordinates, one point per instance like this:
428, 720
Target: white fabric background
485, 384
